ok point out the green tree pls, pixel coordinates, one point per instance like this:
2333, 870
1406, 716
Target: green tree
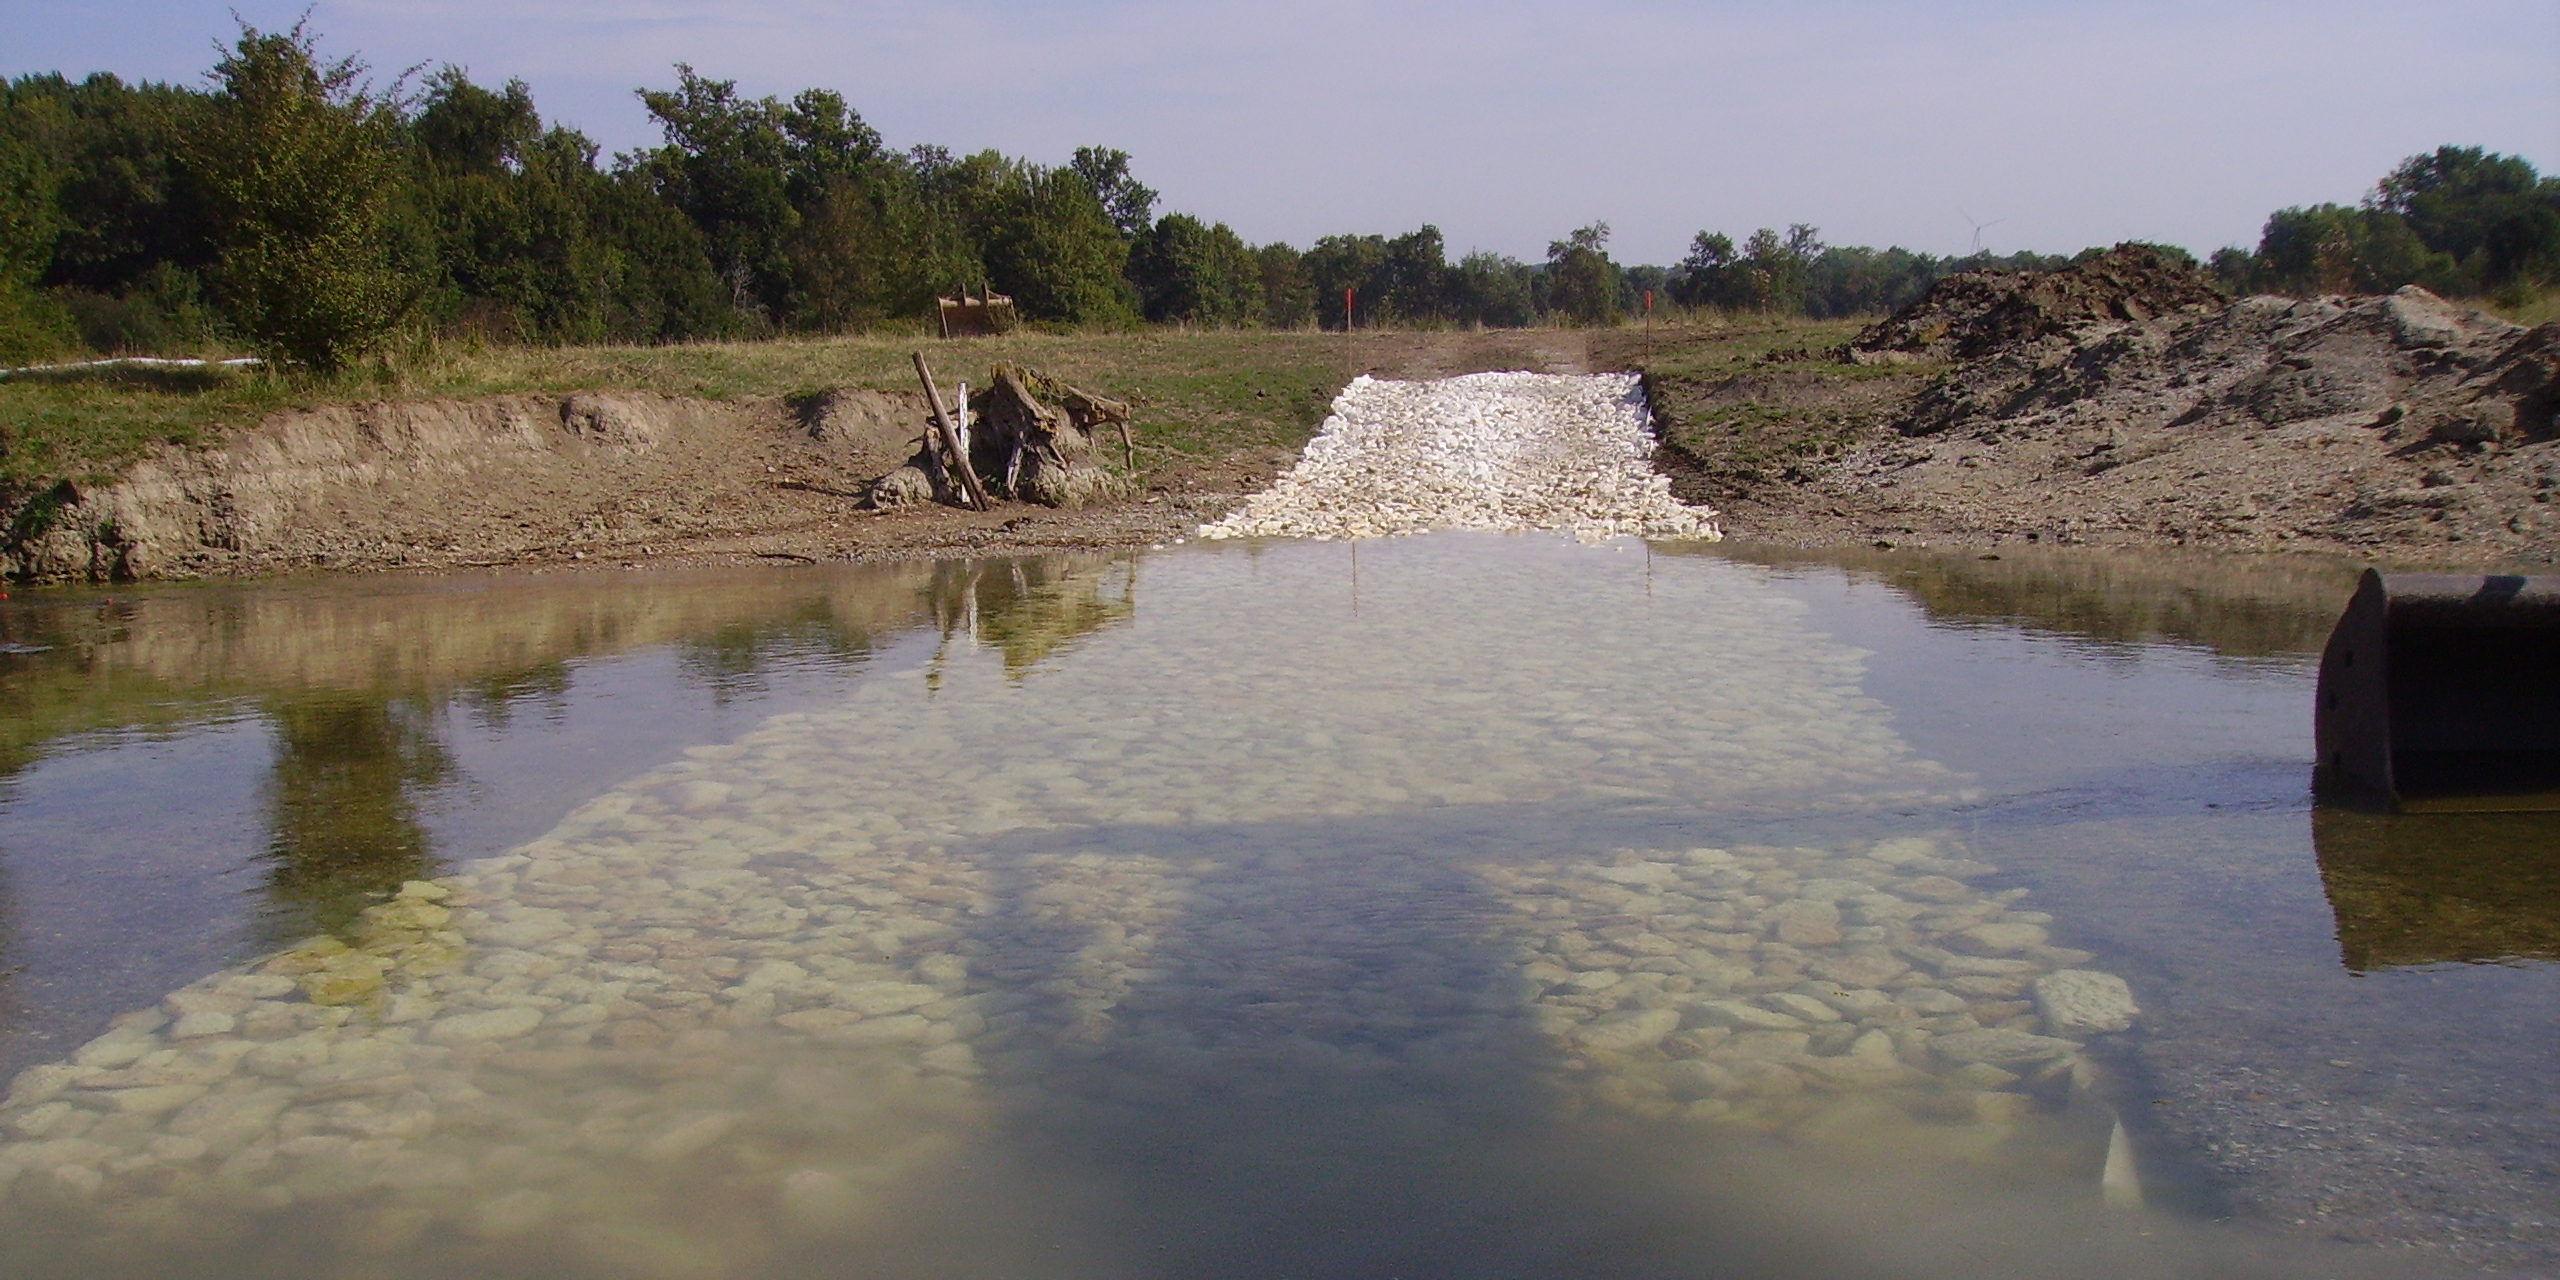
1356, 263
1777, 268
1583, 282
1493, 290
1130, 204
1405, 279
298, 165
1195, 272
1045, 239
467, 130
1706, 277
724, 165
2333, 248
1413, 283
29, 224
1288, 299
2456, 198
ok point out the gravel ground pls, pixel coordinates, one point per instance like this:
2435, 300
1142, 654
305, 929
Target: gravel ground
1495, 451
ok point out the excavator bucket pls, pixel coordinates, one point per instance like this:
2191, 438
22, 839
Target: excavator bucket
2442, 692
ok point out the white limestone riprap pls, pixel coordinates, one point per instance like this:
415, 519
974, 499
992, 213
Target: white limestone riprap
2081, 1002
1565, 453
1433, 841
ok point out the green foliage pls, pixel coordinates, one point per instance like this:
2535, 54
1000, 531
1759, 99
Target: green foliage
166, 310
1049, 244
2332, 248
2457, 220
1584, 282
125, 202
1794, 273
297, 164
30, 218
1403, 280
1495, 290
1129, 203
30, 326
1288, 292
1197, 273
319, 215
723, 165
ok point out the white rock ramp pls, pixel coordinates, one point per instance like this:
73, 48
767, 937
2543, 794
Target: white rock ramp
1566, 453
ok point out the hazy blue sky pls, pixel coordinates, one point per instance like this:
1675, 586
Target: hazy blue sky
2063, 124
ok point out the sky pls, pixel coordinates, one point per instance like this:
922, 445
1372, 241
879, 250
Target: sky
2049, 125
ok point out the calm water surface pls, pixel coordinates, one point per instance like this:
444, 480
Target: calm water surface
1454, 906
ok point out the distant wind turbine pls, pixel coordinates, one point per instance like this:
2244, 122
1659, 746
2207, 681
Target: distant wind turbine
1979, 227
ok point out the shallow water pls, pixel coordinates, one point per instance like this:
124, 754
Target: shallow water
1442, 906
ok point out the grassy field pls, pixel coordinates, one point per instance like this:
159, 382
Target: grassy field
1196, 392
2542, 308
1746, 400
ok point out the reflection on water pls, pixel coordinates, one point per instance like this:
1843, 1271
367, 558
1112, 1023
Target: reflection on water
368, 695
1517, 909
2238, 606
1265, 938
342, 802
1029, 610
2417, 889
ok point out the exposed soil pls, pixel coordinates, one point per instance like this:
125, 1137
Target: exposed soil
630, 478
2122, 403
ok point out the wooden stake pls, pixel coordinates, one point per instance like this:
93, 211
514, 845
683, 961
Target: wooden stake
976, 492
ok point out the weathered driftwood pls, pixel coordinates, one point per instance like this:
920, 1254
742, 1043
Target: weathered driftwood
951, 442
1035, 435
1031, 440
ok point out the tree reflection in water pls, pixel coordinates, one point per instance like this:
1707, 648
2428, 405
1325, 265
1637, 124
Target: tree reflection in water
342, 806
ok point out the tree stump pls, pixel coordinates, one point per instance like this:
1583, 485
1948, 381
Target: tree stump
1033, 439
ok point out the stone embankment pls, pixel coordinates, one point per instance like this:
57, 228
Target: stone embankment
1495, 451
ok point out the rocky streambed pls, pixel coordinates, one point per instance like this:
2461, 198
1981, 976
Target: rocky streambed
1271, 844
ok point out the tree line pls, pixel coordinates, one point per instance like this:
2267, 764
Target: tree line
2457, 221
293, 206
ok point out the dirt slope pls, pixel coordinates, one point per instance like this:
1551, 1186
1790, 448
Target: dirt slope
2120, 403
626, 477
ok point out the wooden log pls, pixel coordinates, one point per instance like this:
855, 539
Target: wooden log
977, 493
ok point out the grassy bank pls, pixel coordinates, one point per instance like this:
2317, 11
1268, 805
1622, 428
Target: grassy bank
1742, 402
1196, 392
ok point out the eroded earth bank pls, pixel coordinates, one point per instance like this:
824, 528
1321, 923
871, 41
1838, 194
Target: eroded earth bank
2120, 402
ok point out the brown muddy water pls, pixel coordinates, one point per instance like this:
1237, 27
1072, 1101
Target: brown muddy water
1451, 906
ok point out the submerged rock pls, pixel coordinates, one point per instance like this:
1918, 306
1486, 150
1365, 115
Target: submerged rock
2079, 1002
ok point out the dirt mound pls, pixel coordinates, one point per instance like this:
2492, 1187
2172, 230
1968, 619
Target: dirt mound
2400, 425
1976, 313
2410, 367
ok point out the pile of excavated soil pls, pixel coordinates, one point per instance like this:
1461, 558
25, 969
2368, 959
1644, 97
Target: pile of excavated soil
1493, 451
1977, 313
2106, 404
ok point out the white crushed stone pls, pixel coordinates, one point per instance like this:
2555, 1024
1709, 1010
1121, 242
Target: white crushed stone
1566, 453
